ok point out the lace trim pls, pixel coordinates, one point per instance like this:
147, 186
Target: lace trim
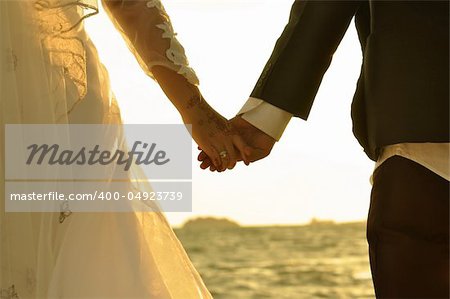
65, 212
11, 60
9, 293
175, 53
59, 23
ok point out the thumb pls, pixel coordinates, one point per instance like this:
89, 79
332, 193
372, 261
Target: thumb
243, 148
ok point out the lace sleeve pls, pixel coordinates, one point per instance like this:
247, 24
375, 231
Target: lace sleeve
147, 29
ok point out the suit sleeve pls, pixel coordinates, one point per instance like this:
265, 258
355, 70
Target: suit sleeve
303, 53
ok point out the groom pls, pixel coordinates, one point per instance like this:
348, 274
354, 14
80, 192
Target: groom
400, 115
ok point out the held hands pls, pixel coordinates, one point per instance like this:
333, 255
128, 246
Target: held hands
256, 145
218, 139
223, 142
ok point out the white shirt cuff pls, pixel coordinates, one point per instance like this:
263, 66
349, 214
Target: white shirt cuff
266, 117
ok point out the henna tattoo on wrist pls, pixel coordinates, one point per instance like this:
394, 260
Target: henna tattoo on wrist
193, 101
211, 117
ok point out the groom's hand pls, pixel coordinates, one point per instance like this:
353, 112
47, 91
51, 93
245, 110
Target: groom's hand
260, 142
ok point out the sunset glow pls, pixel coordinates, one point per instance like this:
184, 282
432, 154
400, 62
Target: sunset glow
228, 43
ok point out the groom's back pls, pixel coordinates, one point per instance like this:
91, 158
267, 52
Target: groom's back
402, 93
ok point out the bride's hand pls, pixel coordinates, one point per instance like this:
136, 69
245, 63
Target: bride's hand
210, 130
215, 136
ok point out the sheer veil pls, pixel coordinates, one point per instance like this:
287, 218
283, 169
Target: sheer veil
50, 74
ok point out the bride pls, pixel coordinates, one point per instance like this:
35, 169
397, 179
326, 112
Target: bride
51, 74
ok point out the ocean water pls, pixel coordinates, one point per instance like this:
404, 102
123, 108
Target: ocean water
312, 261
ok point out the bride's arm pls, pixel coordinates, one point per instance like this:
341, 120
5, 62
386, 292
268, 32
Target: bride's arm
147, 29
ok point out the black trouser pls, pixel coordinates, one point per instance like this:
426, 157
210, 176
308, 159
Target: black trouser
408, 231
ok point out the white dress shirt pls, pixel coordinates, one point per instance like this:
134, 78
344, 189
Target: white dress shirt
434, 156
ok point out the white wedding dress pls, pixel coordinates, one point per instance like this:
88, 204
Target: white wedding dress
50, 73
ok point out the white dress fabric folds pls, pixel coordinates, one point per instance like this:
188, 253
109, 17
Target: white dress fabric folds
50, 73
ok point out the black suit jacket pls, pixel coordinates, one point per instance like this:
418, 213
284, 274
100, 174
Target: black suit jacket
402, 94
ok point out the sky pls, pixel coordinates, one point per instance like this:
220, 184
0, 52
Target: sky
317, 169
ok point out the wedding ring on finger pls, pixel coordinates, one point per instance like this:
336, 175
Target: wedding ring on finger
223, 154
